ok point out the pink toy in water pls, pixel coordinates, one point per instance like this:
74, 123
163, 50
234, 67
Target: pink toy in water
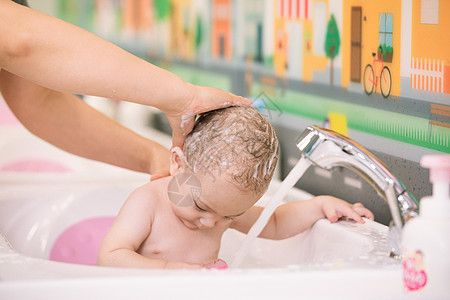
80, 243
218, 264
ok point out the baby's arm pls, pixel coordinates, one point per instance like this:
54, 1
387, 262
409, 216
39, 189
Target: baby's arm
130, 229
293, 218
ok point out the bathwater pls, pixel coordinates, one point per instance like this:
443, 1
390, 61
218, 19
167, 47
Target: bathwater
292, 178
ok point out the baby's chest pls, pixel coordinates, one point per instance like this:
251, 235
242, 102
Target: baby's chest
182, 244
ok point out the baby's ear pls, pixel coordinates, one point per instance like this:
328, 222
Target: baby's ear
177, 161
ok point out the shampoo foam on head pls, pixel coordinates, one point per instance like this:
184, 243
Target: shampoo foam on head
426, 238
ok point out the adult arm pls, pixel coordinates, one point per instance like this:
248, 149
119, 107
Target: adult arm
67, 122
64, 57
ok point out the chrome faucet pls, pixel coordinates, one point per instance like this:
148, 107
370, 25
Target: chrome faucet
328, 149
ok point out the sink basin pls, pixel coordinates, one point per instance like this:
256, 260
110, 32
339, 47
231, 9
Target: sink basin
324, 246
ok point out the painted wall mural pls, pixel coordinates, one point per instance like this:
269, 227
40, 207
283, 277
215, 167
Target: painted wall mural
382, 66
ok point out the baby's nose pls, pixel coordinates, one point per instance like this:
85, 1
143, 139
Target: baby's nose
207, 222
210, 221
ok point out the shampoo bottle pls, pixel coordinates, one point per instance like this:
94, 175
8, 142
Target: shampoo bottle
426, 238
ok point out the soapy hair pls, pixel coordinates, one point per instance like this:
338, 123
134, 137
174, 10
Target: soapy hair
236, 141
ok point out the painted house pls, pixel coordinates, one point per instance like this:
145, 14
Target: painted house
415, 37
425, 72
202, 28
221, 34
253, 10
289, 19
182, 29
369, 26
136, 15
248, 29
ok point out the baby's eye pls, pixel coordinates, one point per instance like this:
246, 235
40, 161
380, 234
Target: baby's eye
198, 207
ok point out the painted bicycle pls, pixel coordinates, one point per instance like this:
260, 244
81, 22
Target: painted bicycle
372, 78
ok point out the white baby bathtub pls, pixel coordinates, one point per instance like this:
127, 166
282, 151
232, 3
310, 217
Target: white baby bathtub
325, 261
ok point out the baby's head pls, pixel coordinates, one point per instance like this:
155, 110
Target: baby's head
228, 161
235, 142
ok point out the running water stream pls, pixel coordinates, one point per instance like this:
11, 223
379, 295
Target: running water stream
294, 175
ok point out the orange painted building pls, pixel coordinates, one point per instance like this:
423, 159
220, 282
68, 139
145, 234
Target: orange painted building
221, 40
430, 46
136, 14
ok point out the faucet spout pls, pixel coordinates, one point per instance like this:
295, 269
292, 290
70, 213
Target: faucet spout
328, 149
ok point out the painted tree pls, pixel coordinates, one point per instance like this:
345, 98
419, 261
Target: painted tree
199, 33
332, 43
162, 9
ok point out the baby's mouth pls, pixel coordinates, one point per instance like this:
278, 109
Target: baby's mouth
190, 225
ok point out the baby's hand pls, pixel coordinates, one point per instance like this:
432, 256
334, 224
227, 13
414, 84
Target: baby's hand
181, 265
334, 208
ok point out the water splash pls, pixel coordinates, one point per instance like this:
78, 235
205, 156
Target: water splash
292, 178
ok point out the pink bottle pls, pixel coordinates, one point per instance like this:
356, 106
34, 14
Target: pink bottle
426, 238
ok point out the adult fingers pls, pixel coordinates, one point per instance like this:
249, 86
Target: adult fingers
209, 98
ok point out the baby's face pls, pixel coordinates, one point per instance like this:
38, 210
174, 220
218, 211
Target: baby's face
217, 205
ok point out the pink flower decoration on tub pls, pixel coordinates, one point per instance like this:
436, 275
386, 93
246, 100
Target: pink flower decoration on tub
36, 166
80, 243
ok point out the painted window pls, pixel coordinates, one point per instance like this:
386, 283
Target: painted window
385, 31
429, 12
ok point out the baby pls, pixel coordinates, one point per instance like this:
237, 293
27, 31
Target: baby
226, 165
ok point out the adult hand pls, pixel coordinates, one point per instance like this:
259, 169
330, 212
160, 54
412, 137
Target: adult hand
201, 99
159, 162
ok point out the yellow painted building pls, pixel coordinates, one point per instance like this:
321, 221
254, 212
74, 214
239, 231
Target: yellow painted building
311, 61
182, 29
297, 13
280, 55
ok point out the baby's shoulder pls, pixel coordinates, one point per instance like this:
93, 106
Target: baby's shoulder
147, 195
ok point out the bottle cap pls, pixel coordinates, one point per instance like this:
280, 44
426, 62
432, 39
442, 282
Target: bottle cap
439, 166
